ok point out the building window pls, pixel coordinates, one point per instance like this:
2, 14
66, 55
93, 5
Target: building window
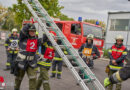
119, 25
76, 29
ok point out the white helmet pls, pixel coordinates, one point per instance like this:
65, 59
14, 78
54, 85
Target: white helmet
14, 30
119, 37
90, 36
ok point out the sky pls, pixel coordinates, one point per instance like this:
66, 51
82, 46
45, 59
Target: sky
88, 9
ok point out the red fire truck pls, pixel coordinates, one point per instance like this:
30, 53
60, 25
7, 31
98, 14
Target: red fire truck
76, 32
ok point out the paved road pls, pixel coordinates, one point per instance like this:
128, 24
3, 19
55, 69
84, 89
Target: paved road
66, 83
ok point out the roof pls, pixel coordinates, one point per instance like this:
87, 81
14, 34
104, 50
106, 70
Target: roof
120, 12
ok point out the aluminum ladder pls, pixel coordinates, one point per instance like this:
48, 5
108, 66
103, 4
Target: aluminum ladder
42, 17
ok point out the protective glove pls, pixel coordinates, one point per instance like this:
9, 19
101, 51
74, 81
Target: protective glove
106, 82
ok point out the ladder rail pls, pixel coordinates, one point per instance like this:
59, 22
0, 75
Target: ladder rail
58, 48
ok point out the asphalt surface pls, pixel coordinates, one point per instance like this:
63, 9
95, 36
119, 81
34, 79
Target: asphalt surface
66, 83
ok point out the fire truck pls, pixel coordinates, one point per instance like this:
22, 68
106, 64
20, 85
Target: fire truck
77, 31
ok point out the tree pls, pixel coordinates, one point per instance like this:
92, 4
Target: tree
65, 18
7, 20
93, 21
52, 7
22, 12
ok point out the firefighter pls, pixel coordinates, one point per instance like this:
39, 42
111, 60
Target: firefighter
88, 52
121, 75
11, 45
47, 54
117, 55
26, 58
57, 62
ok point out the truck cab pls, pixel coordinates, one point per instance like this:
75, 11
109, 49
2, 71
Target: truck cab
76, 32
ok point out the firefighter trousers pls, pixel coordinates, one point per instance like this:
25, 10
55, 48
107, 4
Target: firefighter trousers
43, 79
31, 75
8, 60
11, 59
57, 64
118, 85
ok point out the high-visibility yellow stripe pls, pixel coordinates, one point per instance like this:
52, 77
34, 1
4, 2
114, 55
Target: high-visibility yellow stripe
7, 64
50, 47
118, 76
119, 50
15, 52
45, 44
6, 44
114, 49
53, 71
124, 53
114, 67
44, 63
65, 52
59, 72
10, 51
56, 58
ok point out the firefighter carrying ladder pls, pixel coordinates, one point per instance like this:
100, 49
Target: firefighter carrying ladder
40, 14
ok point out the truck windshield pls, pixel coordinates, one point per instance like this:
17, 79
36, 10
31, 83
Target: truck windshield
89, 29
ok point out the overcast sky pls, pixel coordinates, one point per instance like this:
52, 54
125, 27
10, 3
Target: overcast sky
90, 9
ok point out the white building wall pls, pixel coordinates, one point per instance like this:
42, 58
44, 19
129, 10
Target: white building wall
110, 35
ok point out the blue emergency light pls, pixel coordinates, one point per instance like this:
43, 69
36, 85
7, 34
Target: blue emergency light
80, 19
97, 23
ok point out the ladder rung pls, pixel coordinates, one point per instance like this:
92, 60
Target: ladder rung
88, 80
77, 68
45, 21
58, 37
50, 28
64, 47
40, 14
71, 57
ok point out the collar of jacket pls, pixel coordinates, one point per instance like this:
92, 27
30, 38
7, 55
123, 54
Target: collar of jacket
118, 46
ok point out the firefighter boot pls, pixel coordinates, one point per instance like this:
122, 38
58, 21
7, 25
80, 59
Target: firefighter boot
59, 77
53, 75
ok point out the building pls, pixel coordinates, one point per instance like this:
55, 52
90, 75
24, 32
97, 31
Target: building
118, 23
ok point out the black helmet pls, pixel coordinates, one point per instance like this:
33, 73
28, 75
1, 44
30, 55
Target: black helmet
32, 28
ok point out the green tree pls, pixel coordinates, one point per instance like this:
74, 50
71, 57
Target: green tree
65, 18
52, 7
93, 21
22, 12
7, 20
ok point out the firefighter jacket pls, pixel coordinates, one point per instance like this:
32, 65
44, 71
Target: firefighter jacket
12, 43
122, 74
94, 51
57, 56
47, 53
118, 54
28, 47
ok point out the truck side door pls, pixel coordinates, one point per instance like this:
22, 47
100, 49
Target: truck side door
75, 37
